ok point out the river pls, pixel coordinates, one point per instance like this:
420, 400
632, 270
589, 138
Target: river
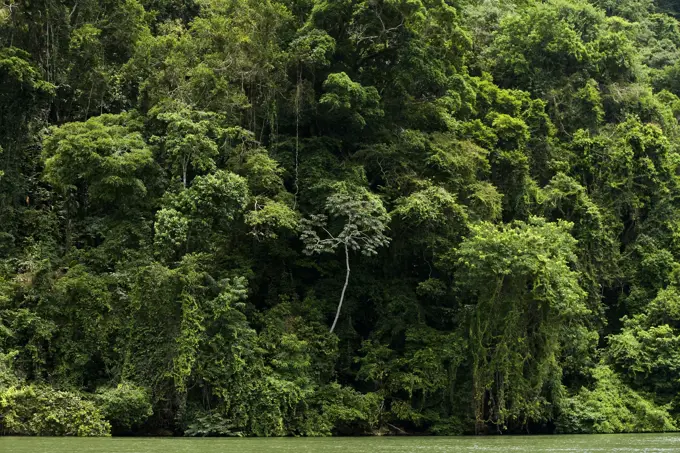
620, 443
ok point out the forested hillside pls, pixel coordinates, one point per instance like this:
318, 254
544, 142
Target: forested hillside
315, 217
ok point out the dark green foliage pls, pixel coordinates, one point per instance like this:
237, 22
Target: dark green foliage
316, 217
7, 376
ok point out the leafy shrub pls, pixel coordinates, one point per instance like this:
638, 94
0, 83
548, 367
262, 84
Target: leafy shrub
124, 406
330, 409
337, 409
210, 424
612, 407
43, 411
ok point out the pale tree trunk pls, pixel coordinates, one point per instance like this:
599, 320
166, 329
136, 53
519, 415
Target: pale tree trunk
344, 288
185, 168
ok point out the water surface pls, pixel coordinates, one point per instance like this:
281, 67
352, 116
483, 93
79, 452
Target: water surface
622, 443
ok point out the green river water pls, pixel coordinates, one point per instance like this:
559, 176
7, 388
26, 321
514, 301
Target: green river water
647, 443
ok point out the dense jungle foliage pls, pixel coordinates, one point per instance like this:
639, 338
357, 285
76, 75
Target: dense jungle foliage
314, 217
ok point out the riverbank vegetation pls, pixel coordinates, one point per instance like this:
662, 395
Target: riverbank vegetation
316, 217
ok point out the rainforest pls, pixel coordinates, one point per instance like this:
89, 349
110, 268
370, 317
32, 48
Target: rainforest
339, 217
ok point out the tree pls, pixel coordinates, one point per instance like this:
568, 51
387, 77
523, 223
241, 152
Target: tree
524, 301
189, 139
197, 216
105, 157
363, 221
